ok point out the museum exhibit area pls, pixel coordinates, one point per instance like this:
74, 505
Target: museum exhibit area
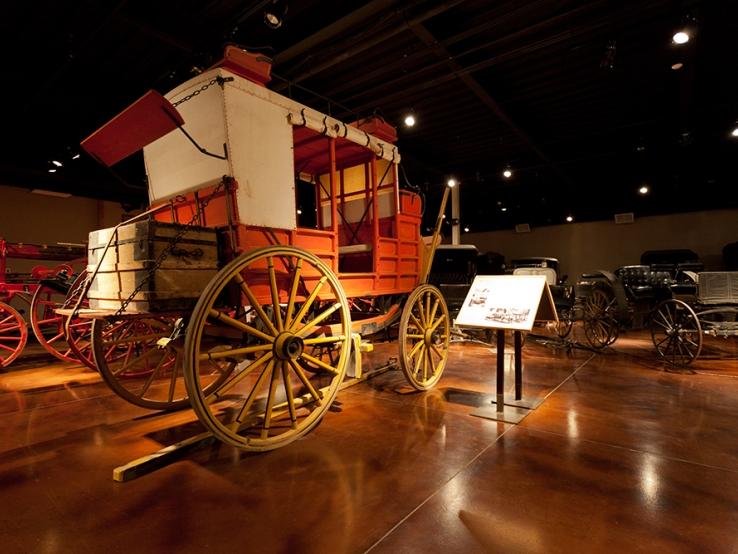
350, 286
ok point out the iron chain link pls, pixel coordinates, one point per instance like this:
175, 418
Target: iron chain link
219, 80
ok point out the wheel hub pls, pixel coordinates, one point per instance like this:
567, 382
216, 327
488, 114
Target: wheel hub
428, 337
288, 346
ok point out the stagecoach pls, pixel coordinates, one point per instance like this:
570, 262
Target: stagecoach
278, 239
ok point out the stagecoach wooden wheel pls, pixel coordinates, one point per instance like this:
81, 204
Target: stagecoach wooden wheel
48, 326
13, 334
141, 360
676, 332
265, 311
424, 337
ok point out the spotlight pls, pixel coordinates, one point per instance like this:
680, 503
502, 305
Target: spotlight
75, 157
274, 14
52, 170
680, 37
734, 132
644, 190
299, 211
569, 219
451, 183
56, 163
466, 229
507, 173
677, 66
409, 120
503, 209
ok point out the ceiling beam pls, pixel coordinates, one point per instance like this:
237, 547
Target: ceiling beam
364, 45
333, 30
473, 85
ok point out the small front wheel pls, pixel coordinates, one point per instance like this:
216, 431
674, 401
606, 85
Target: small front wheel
425, 328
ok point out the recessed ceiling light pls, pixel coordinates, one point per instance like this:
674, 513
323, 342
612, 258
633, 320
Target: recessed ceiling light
503, 209
569, 219
451, 183
56, 163
734, 132
76, 156
507, 173
677, 66
299, 211
466, 229
680, 37
409, 120
52, 170
644, 189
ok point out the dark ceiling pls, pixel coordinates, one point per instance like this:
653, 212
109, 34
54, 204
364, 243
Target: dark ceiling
577, 97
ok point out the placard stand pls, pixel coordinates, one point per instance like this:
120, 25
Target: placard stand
510, 409
507, 302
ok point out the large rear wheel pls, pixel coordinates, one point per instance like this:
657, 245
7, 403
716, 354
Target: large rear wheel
265, 312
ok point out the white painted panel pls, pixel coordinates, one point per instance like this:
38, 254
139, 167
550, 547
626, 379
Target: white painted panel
173, 164
260, 146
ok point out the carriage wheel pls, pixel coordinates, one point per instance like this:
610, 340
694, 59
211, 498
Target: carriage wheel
79, 330
140, 358
600, 327
424, 337
265, 311
48, 326
13, 334
676, 332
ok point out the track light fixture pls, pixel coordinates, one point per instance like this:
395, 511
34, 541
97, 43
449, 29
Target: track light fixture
274, 14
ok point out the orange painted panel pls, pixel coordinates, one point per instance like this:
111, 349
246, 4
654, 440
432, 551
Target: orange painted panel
410, 203
387, 247
408, 249
409, 265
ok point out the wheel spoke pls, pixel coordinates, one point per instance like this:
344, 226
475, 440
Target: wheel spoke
254, 303
218, 354
131, 362
417, 323
173, 381
324, 340
305, 381
415, 349
269, 404
288, 392
233, 381
320, 363
275, 295
419, 306
419, 360
438, 352
308, 303
254, 391
325, 314
293, 293
220, 316
434, 309
151, 377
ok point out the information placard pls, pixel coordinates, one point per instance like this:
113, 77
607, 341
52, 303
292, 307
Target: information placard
507, 302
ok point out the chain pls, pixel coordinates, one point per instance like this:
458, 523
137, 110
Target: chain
219, 80
172, 246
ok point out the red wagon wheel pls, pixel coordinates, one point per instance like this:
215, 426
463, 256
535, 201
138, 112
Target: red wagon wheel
13, 334
48, 326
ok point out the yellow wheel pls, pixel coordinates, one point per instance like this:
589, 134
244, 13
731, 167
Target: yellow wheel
424, 335
265, 311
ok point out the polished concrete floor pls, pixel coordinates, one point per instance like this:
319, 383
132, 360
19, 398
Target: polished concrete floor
623, 455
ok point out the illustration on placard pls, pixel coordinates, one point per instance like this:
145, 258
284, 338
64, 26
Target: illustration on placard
505, 302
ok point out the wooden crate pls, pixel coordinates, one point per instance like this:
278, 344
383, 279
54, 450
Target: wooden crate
175, 285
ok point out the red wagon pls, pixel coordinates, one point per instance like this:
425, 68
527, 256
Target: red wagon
316, 247
42, 289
